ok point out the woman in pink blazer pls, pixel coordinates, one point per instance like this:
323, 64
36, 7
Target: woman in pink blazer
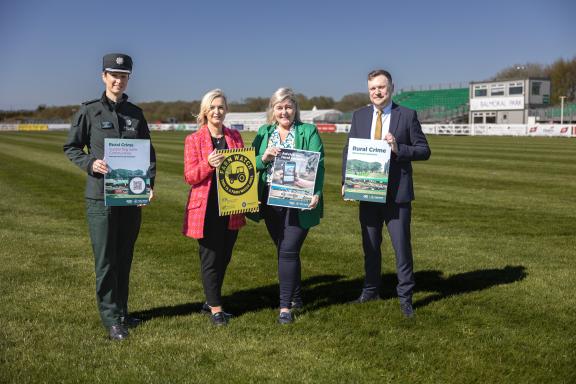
216, 234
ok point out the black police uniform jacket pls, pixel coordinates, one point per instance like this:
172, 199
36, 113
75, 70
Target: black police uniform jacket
99, 119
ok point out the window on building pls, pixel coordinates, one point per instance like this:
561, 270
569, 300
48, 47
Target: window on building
497, 90
536, 88
478, 118
480, 90
490, 118
515, 88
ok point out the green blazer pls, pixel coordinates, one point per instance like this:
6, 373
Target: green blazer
307, 138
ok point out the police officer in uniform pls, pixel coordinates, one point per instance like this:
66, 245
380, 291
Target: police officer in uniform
113, 230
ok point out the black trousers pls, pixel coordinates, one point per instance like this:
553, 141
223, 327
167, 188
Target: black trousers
215, 250
286, 233
397, 218
113, 231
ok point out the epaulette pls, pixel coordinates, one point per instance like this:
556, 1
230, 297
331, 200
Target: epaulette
90, 101
134, 105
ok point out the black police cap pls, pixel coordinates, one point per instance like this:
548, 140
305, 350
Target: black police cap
117, 62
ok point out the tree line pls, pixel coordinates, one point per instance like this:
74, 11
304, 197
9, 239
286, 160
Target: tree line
562, 74
185, 111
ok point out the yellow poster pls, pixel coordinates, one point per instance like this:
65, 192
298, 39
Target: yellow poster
237, 182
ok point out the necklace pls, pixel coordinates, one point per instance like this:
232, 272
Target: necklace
218, 140
217, 137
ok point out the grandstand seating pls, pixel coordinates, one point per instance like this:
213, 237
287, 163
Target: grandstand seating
437, 104
433, 106
421, 100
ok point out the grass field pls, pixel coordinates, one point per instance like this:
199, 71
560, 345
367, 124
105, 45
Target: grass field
494, 243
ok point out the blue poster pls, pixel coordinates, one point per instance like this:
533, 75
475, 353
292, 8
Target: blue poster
293, 178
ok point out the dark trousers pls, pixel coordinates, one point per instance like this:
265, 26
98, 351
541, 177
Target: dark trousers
397, 218
286, 233
113, 231
215, 250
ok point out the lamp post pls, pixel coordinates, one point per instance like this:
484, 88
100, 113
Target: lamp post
562, 109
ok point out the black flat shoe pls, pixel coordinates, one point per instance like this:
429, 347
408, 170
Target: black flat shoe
407, 310
285, 318
117, 332
207, 310
365, 297
219, 319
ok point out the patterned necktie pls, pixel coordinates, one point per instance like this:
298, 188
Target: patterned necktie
378, 132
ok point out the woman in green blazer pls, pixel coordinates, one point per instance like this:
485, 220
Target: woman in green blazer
288, 227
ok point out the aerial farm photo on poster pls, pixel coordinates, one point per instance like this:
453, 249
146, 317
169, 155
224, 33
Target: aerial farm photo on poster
367, 168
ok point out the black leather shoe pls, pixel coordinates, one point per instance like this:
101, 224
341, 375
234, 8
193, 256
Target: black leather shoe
407, 310
130, 322
366, 297
117, 332
207, 310
219, 319
285, 318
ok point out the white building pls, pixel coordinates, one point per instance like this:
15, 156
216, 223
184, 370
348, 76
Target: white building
508, 101
251, 121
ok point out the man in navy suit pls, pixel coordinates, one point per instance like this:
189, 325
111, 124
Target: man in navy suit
400, 127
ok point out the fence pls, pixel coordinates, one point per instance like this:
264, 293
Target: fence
556, 130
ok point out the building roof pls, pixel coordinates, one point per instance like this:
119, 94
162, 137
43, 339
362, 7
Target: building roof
260, 117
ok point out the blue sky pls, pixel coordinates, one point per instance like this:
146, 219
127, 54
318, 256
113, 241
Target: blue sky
51, 51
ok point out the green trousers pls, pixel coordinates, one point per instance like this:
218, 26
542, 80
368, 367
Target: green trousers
113, 231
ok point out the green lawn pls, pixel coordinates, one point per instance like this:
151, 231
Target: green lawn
494, 242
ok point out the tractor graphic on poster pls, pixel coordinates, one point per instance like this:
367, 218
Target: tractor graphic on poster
239, 175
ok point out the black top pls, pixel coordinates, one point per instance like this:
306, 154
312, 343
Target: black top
212, 206
219, 143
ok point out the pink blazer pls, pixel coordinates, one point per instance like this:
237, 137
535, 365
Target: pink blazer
198, 173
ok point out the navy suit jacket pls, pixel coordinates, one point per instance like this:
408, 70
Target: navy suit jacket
412, 145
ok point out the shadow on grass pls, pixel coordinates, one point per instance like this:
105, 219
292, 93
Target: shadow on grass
326, 290
240, 302
461, 283
344, 291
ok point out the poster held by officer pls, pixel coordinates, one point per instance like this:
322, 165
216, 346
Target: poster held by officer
237, 182
367, 167
128, 179
293, 178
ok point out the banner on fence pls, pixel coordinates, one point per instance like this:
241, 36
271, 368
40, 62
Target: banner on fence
499, 130
8, 127
173, 127
550, 130
58, 127
32, 127
555, 130
326, 127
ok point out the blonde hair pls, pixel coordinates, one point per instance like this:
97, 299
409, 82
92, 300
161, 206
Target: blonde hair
208, 98
279, 96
